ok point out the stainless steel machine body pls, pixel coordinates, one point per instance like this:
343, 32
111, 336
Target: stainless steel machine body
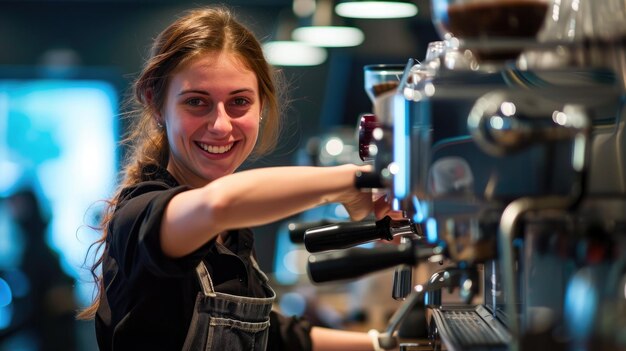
515, 171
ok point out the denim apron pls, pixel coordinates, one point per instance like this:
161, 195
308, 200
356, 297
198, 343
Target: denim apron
223, 322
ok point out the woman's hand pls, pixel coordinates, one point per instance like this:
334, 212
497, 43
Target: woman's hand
358, 202
383, 207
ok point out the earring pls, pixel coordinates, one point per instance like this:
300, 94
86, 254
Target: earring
159, 125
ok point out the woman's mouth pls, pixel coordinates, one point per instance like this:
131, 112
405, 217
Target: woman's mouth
215, 149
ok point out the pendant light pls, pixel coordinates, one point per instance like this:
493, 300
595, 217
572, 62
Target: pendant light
320, 30
376, 9
293, 53
282, 51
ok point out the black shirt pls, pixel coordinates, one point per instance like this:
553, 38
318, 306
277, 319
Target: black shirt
149, 297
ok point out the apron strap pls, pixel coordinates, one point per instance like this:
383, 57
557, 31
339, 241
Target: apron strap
204, 278
206, 283
256, 266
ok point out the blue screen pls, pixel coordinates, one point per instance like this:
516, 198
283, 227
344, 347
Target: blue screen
58, 137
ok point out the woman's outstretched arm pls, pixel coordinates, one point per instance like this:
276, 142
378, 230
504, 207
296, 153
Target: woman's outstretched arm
325, 339
256, 197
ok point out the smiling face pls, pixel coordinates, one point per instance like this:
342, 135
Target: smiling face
211, 113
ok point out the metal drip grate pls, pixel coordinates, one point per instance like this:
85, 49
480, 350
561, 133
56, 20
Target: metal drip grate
470, 329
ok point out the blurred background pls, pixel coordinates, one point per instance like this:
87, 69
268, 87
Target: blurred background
65, 67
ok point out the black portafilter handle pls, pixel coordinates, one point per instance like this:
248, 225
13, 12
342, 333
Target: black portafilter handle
347, 234
297, 229
355, 262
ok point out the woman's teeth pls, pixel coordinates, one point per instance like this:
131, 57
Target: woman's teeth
215, 149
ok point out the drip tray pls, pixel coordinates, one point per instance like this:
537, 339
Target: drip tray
470, 328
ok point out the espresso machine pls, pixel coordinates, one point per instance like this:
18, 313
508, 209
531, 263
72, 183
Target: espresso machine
505, 149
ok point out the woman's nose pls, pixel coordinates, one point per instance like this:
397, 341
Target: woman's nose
222, 123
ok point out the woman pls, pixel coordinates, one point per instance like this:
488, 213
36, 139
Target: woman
178, 269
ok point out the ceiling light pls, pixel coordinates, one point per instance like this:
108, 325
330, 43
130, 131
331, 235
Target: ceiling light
304, 8
293, 53
282, 51
321, 28
376, 9
329, 36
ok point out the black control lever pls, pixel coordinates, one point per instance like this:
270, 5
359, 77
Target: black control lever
355, 262
402, 282
348, 234
402, 278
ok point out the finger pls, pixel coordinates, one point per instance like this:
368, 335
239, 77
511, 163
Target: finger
360, 207
383, 208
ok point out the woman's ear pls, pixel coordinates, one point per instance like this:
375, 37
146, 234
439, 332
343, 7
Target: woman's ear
156, 114
262, 111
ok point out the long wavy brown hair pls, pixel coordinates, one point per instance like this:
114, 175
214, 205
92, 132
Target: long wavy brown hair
196, 32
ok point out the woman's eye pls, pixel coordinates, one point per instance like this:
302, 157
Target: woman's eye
239, 106
195, 102
240, 102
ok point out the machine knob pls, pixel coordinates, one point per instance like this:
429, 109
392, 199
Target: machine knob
367, 124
